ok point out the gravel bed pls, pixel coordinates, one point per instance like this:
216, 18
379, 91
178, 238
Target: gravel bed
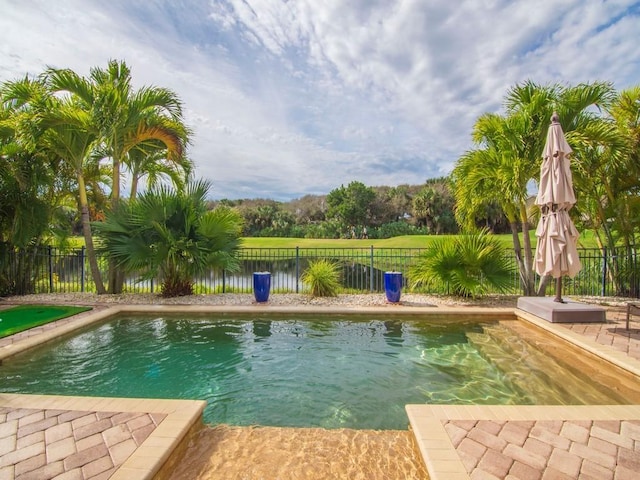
291, 299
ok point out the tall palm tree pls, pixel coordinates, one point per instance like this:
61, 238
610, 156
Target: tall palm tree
508, 157
608, 176
126, 119
29, 173
499, 173
64, 132
72, 137
32, 181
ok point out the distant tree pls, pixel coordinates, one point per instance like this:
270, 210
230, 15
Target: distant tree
391, 204
308, 209
434, 207
351, 205
258, 215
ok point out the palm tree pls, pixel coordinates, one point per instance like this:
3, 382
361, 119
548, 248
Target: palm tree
70, 135
150, 160
508, 157
468, 265
608, 178
171, 234
27, 173
499, 173
126, 120
32, 181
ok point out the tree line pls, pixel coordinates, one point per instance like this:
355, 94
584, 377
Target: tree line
360, 211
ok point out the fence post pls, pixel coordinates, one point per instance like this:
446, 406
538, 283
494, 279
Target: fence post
604, 274
82, 269
297, 269
371, 271
50, 270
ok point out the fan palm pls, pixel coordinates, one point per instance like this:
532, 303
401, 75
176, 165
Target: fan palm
468, 264
171, 235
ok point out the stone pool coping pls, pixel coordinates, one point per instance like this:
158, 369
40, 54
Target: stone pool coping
428, 422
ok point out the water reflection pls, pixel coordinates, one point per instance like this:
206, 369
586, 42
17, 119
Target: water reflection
302, 371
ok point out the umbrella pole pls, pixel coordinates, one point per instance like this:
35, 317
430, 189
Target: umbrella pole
558, 290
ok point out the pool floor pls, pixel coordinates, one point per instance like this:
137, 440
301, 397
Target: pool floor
304, 371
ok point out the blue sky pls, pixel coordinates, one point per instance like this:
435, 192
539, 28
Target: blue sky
288, 98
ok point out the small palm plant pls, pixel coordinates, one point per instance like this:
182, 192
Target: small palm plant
171, 234
468, 264
323, 276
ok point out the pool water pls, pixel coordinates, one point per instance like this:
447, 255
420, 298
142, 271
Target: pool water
301, 372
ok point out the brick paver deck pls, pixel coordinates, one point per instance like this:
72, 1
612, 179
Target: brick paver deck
80, 438
548, 448
44, 444
540, 442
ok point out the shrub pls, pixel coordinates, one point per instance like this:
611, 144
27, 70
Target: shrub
469, 264
323, 277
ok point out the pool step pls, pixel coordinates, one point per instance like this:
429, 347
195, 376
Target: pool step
553, 383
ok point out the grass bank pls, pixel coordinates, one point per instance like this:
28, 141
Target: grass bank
406, 241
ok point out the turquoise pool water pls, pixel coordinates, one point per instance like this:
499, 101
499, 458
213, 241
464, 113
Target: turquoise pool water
352, 372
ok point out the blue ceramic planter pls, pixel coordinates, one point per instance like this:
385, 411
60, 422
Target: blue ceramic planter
393, 286
261, 286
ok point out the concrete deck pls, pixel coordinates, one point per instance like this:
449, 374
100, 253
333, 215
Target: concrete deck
568, 311
44, 437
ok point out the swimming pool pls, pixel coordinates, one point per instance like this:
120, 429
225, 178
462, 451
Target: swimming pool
351, 371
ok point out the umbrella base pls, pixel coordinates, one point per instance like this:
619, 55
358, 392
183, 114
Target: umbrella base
567, 312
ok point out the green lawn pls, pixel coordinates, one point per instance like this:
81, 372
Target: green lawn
405, 241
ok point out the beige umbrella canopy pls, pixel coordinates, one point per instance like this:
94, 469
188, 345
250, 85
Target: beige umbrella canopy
556, 250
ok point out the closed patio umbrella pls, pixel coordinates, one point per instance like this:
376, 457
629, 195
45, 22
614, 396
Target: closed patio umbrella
556, 250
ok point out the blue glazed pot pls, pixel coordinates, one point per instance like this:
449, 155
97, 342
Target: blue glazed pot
393, 286
261, 286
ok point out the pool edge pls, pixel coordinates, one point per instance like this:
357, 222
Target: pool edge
148, 458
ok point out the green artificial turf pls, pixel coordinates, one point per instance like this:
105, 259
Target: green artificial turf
24, 317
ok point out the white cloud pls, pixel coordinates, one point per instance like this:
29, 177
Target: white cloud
289, 98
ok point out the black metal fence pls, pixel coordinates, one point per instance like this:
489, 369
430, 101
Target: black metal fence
362, 270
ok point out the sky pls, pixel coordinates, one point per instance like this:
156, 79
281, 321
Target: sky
289, 98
